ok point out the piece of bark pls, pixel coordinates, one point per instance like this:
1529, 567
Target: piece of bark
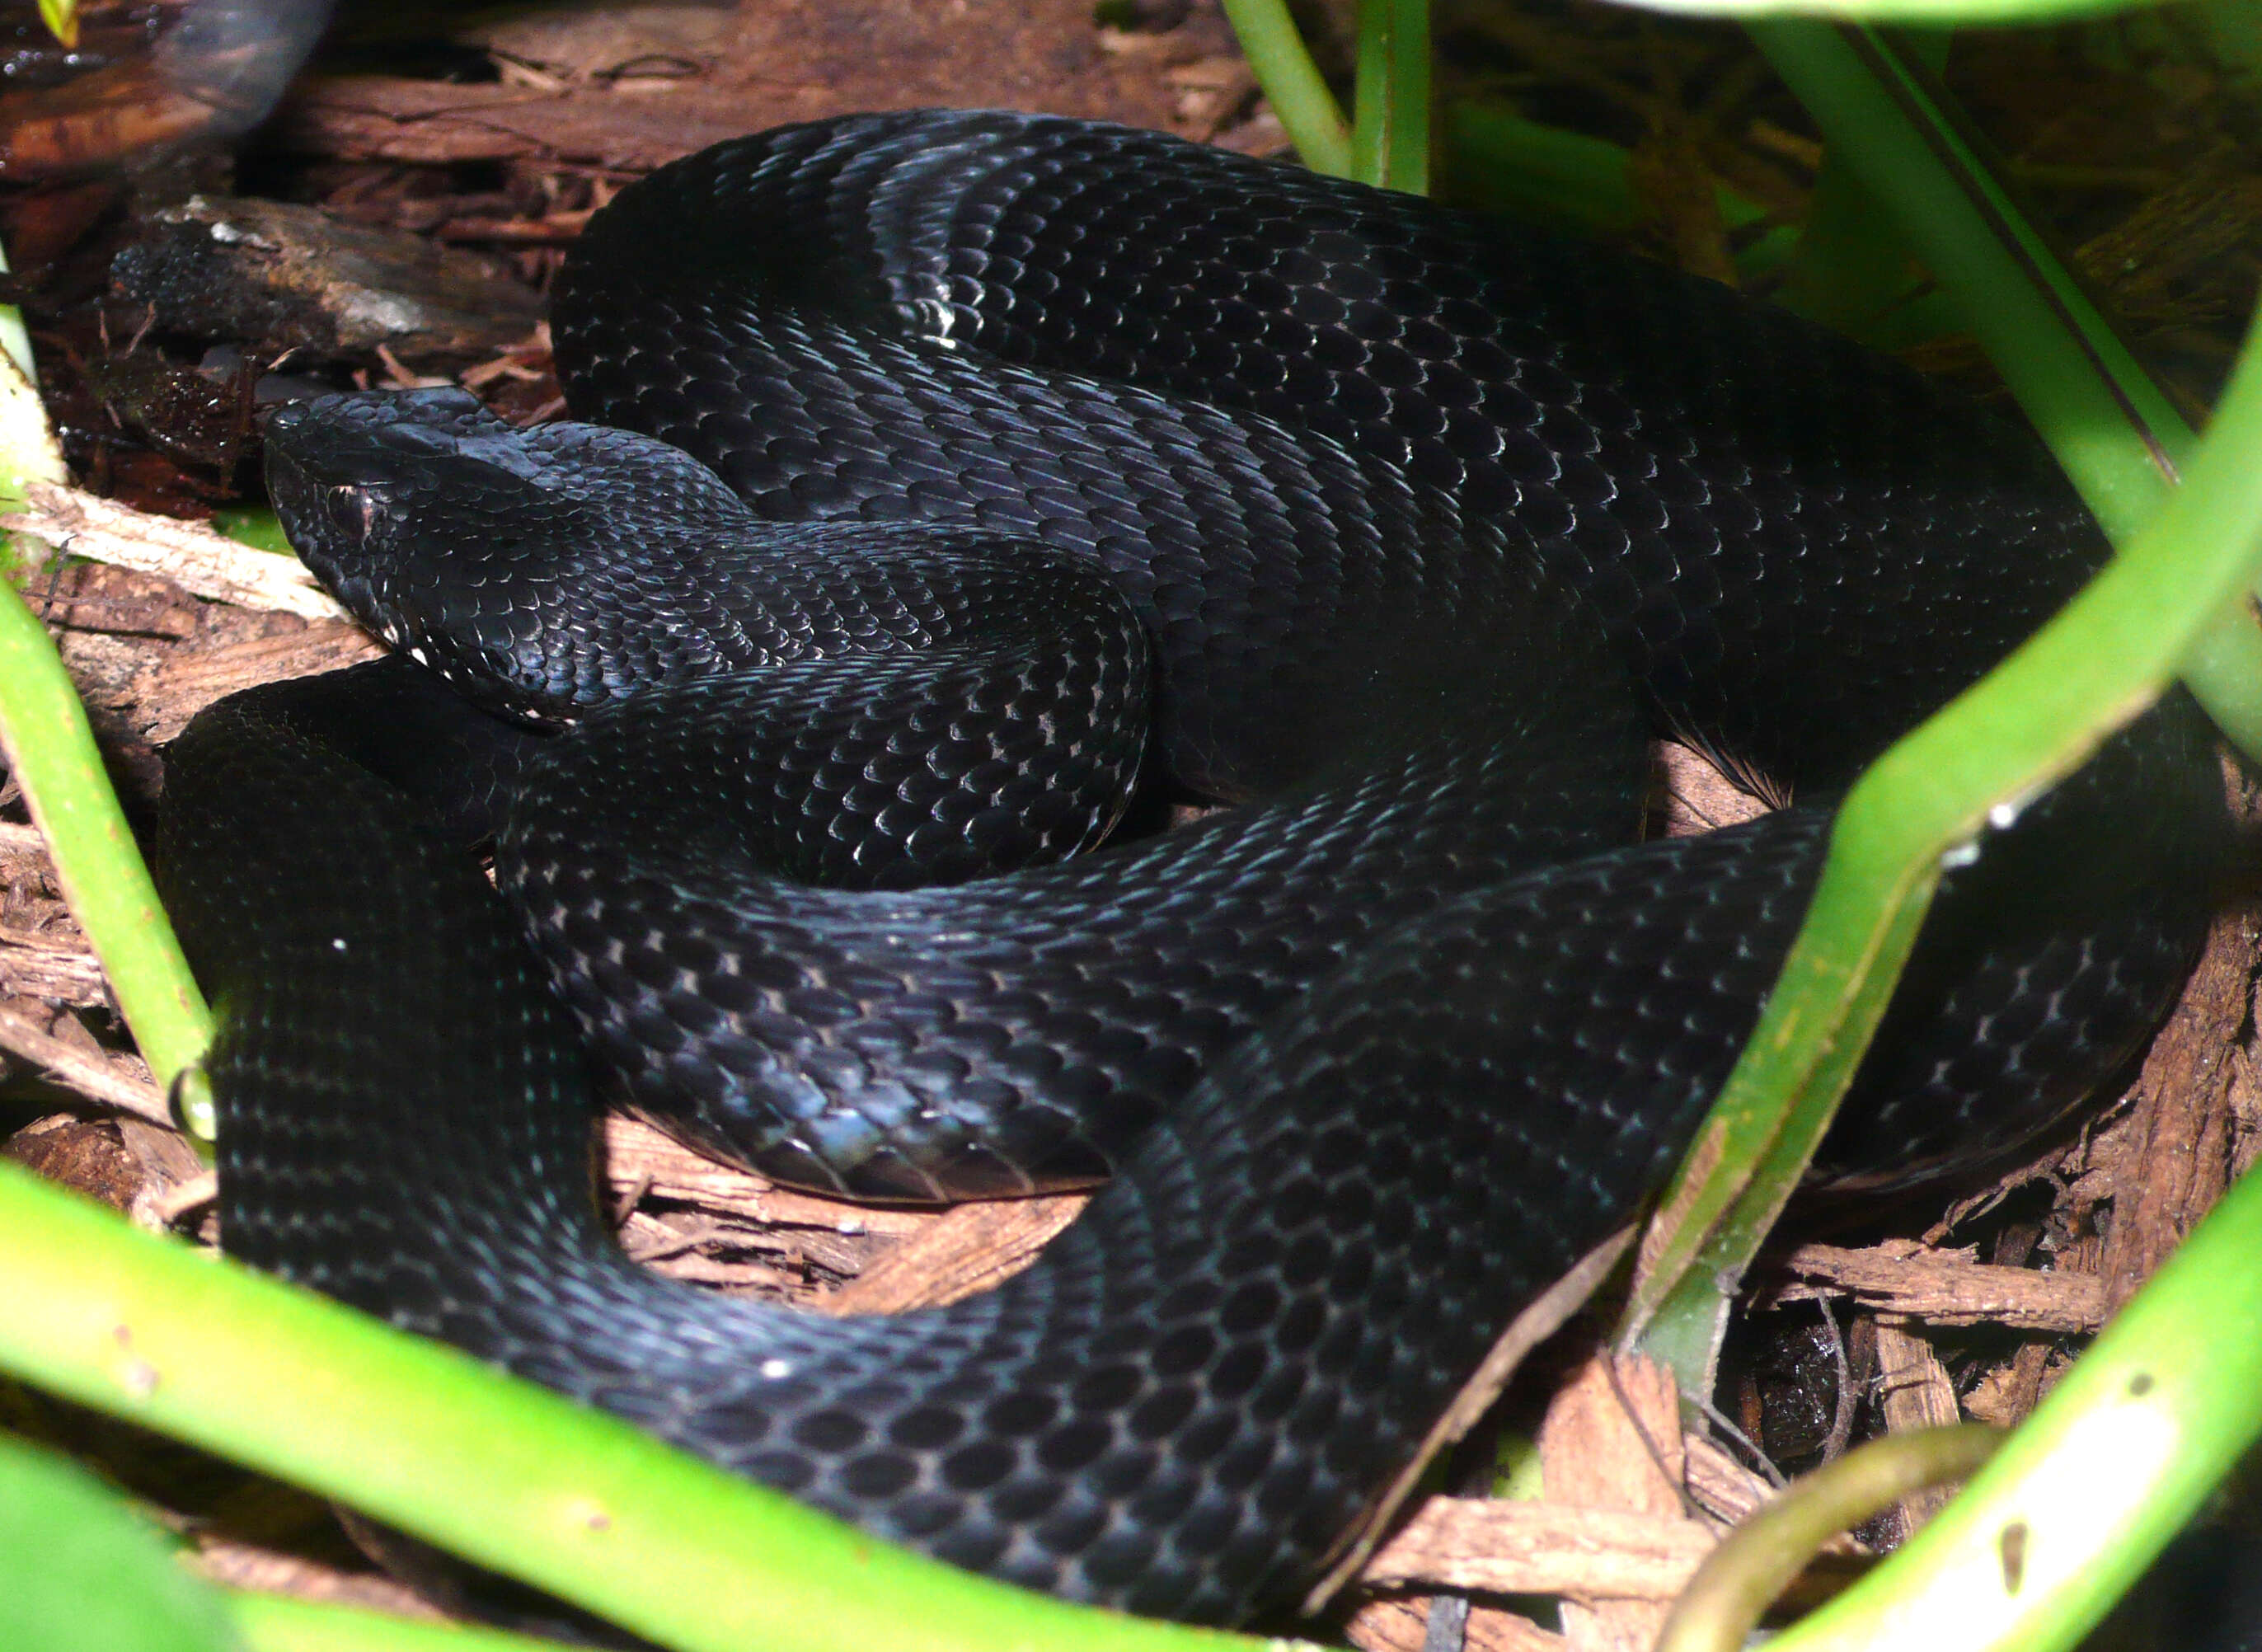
1720, 1486
54, 969
1693, 796
377, 118
286, 277
793, 60
2006, 1396
2175, 1146
969, 1249
244, 1565
119, 112
113, 1079
201, 561
115, 600
1914, 1392
181, 682
1503, 1547
86, 1155
1904, 1278
1612, 1440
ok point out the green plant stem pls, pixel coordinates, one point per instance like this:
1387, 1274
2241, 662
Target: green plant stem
27, 441
2117, 436
2122, 1452
2114, 432
2026, 726
1292, 84
276, 1623
62, 19
505, 1473
1496, 159
1390, 133
1740, 1580
51, 752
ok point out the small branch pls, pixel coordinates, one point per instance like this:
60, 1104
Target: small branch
1903, 1278
104, 1081
205, 563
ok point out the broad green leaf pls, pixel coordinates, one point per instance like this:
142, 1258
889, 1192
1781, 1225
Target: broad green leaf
81, 1572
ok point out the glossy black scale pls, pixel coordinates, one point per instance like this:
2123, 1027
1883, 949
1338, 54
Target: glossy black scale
1406, 526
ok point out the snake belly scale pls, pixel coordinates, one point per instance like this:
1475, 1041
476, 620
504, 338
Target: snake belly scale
968, 465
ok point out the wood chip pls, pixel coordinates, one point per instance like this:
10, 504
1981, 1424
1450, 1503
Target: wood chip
83, 1154
201, 560
375, 118
1611, 1441
968, 1249
116, 1080
1914, 1390
2175, 1148
1721, 1486
182, 681
1904, 1278
1544, 1548
1696, 796
241, 1565
55, 968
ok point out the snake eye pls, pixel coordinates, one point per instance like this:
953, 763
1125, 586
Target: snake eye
353, 510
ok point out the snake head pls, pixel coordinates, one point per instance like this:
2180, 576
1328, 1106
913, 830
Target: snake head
483, 551
351, 475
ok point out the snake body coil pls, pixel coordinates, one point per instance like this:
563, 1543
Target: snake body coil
1407, 524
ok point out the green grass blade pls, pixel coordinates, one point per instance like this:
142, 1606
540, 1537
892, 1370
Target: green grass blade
2115, 433
81, 1572
28, 452
62, 19
1496, 159
2118, 437
2120, 441
2179, 585
51, 750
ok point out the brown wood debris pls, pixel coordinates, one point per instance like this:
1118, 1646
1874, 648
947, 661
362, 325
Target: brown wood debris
1904, 1278
278, 278
787, 60
1501, 1547
200, 561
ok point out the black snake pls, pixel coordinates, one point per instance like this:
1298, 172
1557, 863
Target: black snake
1408, 525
